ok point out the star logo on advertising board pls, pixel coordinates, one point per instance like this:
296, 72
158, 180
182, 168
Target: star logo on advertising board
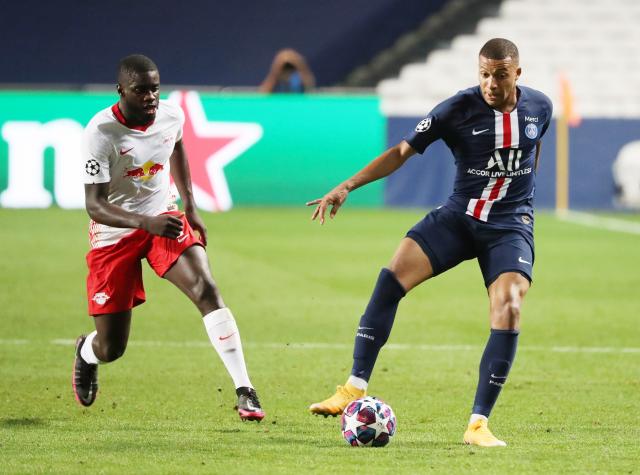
210, 146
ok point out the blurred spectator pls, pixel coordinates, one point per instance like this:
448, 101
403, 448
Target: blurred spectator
289, 73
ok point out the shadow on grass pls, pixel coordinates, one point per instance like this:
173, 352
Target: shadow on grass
23, 422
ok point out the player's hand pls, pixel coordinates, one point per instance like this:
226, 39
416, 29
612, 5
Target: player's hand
165, 225
335, 198
197, 224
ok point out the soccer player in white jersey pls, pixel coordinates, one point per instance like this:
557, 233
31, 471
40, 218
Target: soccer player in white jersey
131, 149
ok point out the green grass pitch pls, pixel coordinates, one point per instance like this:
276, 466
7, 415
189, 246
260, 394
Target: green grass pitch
571, 404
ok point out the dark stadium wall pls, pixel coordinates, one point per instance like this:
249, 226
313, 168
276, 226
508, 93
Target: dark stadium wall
427, 181
197, 42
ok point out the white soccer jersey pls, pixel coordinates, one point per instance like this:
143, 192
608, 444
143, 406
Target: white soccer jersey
135, 163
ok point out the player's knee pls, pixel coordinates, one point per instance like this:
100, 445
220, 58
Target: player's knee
205, 292
111, 351
513, 312
516, 294
506, 310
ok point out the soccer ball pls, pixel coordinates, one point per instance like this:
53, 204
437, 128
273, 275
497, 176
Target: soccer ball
368, 422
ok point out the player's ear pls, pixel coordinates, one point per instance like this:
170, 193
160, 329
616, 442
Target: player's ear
518, 73
119, 89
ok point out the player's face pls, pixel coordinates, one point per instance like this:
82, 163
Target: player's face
140, 96
498, 81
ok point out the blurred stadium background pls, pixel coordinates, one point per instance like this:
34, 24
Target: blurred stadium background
380, 66
378, 74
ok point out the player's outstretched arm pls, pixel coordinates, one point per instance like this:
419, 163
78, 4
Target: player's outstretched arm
103, 212
182, 177
381, 166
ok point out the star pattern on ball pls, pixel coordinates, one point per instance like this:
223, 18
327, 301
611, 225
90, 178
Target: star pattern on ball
368, 422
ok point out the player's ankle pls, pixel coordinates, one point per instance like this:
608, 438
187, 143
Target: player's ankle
476, 417
357, 383
86, 351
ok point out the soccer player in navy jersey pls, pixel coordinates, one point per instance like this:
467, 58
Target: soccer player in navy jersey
494, 132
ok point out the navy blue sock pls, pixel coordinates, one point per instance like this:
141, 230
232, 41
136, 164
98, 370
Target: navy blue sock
494, 368
375, 325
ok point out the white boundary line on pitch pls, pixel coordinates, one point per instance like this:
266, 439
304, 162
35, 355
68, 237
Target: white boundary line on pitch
600, 222
343, 346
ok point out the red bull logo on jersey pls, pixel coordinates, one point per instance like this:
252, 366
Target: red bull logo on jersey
144, 173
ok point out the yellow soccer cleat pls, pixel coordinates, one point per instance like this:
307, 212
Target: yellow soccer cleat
478, 433
336, 403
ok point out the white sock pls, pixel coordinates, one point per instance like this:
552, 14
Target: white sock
86, 352
475, 417
225, 338
357, 382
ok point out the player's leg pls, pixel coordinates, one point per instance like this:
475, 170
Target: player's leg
114, 287
432, 246
409, 267
191, 274
506, 294
107, 343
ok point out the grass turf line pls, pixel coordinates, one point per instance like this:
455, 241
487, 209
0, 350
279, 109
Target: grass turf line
169, 409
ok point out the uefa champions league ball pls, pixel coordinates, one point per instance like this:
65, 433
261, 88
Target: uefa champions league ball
368, 422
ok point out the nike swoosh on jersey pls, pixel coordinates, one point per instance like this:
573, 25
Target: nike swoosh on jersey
124, 152
520, 259
478, 132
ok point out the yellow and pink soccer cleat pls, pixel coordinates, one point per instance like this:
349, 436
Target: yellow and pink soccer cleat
478, 433
336, 403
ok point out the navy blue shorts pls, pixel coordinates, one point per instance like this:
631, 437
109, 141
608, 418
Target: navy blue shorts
449, 237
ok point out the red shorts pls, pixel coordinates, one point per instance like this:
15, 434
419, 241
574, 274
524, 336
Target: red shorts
114, 283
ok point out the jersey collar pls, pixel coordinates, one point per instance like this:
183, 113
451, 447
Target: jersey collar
120, 118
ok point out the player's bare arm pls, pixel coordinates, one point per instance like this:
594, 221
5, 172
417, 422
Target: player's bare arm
382, 166
182, 178
538, 149
103, 212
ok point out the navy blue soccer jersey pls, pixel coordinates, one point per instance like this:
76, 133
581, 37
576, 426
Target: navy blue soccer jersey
494, 152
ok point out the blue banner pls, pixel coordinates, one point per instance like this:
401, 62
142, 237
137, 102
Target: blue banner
595, 145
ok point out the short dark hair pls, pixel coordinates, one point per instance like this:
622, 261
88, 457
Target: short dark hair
500, 48
134, 64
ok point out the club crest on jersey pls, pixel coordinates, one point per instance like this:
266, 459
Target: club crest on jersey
423, 125
168, 141
531, 131
101, 298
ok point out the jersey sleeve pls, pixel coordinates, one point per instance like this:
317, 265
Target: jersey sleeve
429, 129
96, 151
548, 117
